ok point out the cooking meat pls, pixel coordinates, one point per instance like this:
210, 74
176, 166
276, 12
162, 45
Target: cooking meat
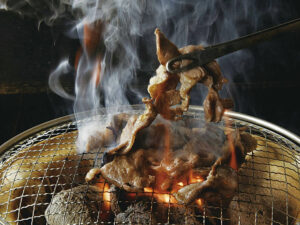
106, 136
133, 126
79, 205
128, 172
164, 153
165, 49
219, 186
164, 164
222, 180
169, 102
163, 83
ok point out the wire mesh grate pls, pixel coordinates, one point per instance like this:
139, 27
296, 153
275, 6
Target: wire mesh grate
38, 167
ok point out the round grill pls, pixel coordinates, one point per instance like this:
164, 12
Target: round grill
42, 161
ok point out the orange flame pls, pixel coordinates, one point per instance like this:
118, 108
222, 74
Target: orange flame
97, 71
194, 177
91, 42
105, 207
161, 197
233, 161
199, 202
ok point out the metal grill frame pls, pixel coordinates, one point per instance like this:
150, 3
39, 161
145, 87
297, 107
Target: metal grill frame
270, 132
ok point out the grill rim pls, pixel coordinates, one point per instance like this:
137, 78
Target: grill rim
235, 115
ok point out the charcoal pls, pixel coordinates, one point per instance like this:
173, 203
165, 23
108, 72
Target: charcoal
137, 213
79, 205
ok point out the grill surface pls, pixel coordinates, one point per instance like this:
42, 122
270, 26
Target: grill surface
41, 162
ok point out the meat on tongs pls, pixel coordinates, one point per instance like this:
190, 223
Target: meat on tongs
170, 102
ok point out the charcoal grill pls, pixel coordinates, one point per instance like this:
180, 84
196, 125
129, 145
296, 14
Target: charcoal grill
269, 180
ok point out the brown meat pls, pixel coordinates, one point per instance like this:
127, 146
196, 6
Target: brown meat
164, 83
166, 100
140, 168
213, 107
165, 49
222, 180
109, 135
128, 172
220, 186
133, 126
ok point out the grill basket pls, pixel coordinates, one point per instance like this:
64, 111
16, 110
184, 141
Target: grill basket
42, 161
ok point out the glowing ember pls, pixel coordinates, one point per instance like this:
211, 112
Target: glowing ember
165, 198
199, 202
106, 196
194, 178
148, 190
180, 184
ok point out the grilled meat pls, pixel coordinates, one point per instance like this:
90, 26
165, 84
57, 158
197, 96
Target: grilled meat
219, 186
221, 183
170, 102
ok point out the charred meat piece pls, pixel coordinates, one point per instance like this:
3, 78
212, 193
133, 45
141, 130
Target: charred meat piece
166, 99
133, 126
219, 186
164, 83
238, 143
129, 172
165, 49
79, 205
222, 180
108, 135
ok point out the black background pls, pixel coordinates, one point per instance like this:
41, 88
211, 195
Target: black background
28, 53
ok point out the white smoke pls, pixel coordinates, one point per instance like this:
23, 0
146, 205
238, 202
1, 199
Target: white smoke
128, 43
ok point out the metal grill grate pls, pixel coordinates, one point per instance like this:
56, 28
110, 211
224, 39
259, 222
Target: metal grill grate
43, 161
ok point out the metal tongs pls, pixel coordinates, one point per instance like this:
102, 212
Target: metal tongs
200, 58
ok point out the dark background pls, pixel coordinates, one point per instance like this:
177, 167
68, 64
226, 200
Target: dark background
268, 88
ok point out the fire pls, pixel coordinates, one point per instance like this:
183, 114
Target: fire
194, 178
199, 202
148, 189
161, 197
233, 161
180, 184
91, 42
97, 71
106, 195
166, 198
